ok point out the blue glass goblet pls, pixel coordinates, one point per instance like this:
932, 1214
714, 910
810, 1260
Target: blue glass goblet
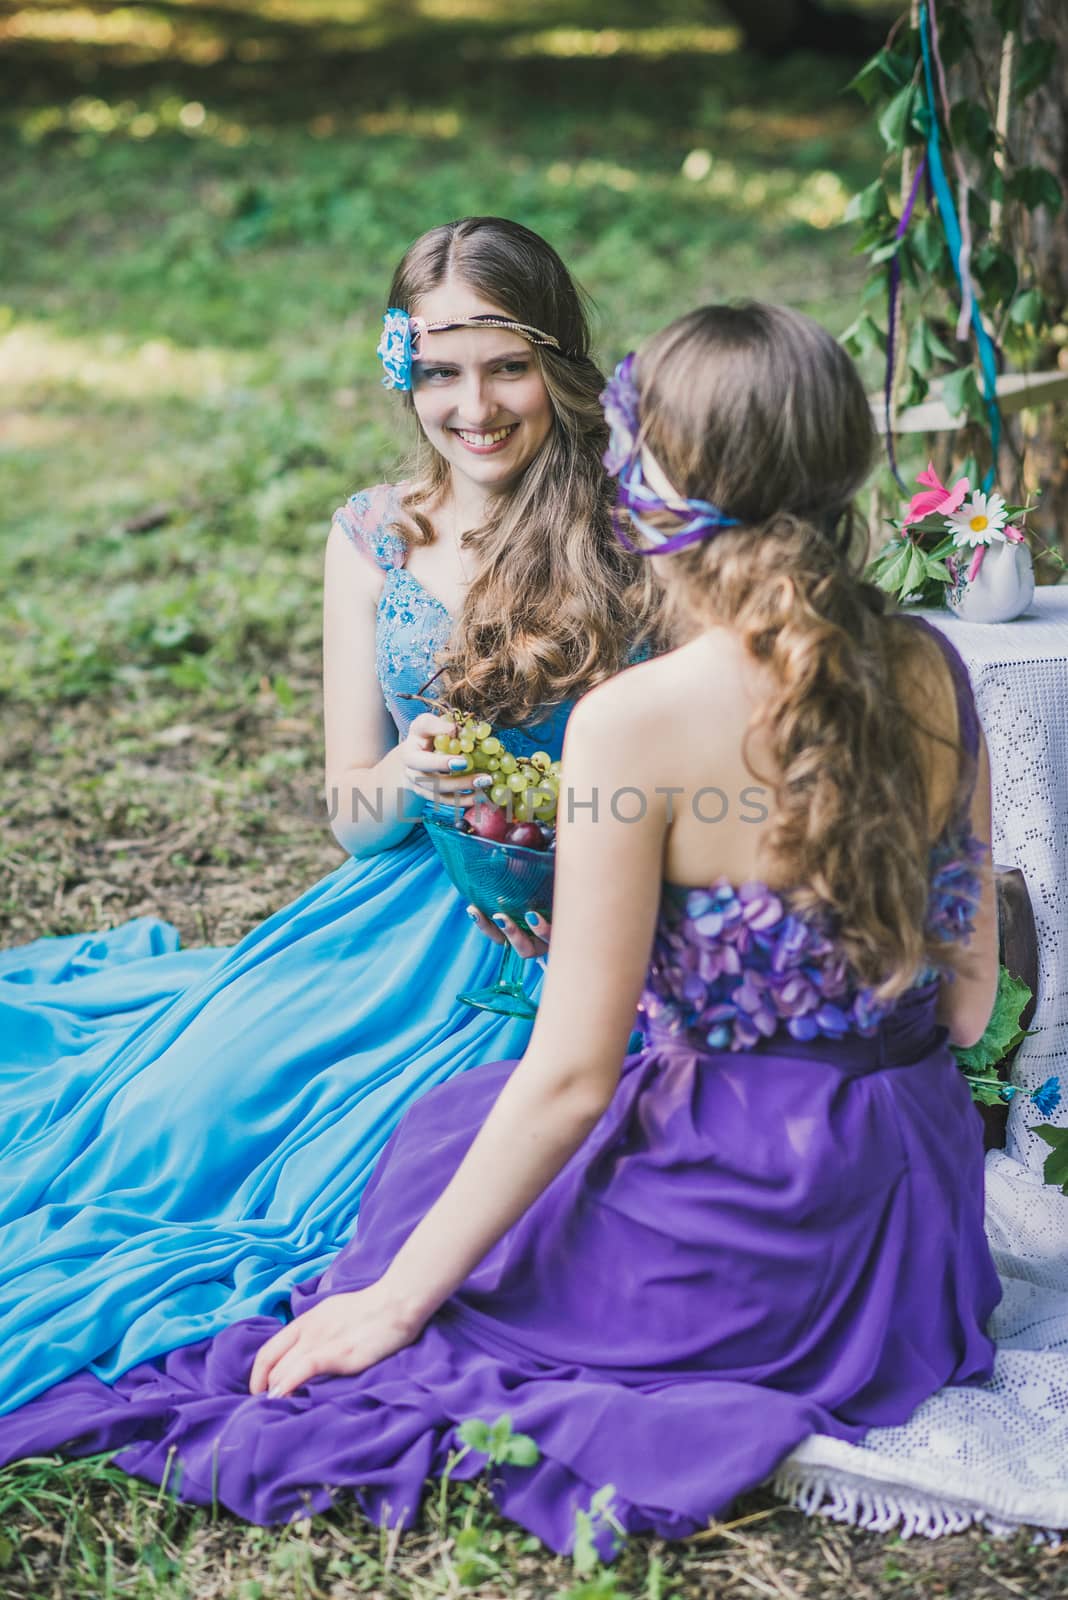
497, 877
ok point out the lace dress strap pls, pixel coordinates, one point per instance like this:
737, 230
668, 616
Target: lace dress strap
366, 520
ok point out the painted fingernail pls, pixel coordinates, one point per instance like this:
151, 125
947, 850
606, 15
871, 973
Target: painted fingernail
532, 919
502, 922
458, 764
472, 912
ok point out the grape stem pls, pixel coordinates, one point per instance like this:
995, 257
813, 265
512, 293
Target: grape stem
436, 705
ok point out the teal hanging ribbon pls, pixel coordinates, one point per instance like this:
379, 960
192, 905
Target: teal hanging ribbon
948, 212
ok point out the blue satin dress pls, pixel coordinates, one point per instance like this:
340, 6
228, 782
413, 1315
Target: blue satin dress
185, 1135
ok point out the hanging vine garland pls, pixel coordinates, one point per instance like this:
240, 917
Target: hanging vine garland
959, 295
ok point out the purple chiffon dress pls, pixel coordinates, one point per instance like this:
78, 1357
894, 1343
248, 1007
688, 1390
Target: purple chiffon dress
776, 1229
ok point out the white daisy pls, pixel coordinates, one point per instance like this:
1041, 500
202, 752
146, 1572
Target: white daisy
979, 520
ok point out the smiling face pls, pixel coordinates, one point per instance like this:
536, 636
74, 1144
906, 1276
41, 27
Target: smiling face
478, 392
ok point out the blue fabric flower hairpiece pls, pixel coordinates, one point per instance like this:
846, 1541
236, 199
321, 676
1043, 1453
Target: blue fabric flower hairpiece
400, 331
395, 349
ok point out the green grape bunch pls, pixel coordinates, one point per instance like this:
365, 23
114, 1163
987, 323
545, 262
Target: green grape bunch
518, 794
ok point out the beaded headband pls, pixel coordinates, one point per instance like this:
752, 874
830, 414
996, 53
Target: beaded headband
622, 460
401, 331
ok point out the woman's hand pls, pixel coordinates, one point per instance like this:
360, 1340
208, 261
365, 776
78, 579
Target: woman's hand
530, 942
430, 773
342, 1335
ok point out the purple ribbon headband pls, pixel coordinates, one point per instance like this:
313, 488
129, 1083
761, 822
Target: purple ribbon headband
400, 332
622, 460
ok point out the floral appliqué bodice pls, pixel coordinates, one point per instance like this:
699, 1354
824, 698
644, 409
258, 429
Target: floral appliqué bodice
413, 625
732, 966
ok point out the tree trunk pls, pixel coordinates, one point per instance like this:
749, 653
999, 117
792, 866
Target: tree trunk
1038, 134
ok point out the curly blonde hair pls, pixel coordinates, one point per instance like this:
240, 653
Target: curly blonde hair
758, 409
558, 605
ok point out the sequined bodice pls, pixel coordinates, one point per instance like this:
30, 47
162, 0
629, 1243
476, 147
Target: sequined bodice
413, 625
732, 966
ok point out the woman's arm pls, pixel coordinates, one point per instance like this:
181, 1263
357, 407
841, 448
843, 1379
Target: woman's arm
370, 794
607, 893
967, 998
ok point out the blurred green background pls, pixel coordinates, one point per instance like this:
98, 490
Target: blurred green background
200, 209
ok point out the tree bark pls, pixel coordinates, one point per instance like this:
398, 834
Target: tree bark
1038, 134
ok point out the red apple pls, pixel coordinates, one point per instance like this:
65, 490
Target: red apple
528, 834
488, 821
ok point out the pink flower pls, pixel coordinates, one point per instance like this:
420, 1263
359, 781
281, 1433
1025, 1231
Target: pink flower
1014, 535
936, 500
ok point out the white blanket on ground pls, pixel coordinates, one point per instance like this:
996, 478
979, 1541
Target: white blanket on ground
997, 1455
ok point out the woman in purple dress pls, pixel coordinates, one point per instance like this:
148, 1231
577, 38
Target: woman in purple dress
670, 1267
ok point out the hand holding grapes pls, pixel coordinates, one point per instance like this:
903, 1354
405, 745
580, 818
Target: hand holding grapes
432, 769
455, 757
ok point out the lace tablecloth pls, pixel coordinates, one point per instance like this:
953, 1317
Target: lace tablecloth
1019, 671
996, 1455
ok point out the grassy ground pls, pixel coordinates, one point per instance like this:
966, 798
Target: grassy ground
202, 205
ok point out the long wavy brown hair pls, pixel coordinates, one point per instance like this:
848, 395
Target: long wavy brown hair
758, 409
558, 604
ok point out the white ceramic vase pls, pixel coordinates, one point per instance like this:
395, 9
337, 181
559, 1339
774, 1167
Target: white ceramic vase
1003, 587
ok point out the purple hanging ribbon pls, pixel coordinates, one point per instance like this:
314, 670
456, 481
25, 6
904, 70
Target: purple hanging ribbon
891, 317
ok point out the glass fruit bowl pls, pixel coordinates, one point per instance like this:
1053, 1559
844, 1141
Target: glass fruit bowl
496, 877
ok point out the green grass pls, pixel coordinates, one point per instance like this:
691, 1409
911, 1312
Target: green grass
202, 205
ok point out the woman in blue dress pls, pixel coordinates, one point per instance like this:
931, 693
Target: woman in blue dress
671, 1266
185, 1135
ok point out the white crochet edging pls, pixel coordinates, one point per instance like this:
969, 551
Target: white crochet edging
880, 1507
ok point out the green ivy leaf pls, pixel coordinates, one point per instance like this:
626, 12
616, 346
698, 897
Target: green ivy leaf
929, 244
915, 392
996, 272
919, 356
1034, 63
969, 468
1027, 308
954, 33
866, 204
962, 394
925, 348
1007, 14
894, 119
970, 124
914, 576
864, 336
887, 70
1055, 1167
936, 571
871, 234
938, 346
1035, 186
891, 564
1003, 1031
